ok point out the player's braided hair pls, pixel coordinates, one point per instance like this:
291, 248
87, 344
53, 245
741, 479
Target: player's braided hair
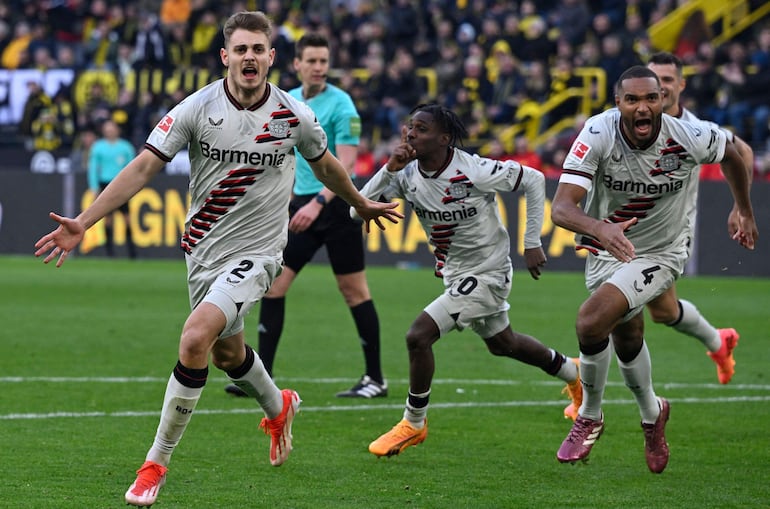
447, 120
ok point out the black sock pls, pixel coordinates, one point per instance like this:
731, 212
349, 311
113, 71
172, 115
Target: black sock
193, 378
418, 401
556, 363
594, 349
368, 327
244, 368
271, 313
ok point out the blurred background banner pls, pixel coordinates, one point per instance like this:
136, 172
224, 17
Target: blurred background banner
158, 213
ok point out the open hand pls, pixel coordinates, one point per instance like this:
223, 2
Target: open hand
612, 237
60, 241
375, 211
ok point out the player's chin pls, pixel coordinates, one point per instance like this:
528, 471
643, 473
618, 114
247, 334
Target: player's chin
249, 79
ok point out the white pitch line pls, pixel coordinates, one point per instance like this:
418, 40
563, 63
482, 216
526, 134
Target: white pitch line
357, 408
361, 407
437, 381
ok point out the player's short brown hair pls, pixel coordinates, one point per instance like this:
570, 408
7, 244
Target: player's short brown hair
253, 21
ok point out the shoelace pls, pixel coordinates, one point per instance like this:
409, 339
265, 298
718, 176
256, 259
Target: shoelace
148, 476
579, 429
271, 426
652, 438
404, 431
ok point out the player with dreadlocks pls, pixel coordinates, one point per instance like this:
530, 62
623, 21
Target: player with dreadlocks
453, 194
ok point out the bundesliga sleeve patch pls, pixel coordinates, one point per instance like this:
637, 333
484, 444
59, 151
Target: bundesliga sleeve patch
580, 150
165, 124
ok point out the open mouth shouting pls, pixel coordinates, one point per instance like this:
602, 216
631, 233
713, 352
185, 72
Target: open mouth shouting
250, 73
643, 127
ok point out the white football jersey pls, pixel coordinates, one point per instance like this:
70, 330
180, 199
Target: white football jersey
654, 183
241, 167
457, 207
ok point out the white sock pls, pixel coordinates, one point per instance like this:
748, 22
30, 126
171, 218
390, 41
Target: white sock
694, 324
637, 375
593, 374
258, 384
416, 415
178, 405
568, 370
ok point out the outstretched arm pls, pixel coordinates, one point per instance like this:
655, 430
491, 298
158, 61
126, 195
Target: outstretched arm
329, 171
70, 231
306, 215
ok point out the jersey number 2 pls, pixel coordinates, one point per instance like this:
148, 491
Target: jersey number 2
244, 266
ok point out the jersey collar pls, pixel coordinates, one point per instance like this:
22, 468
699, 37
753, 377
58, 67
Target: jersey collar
450, 154
239, 106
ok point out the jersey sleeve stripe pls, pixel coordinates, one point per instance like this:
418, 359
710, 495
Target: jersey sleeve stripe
577, 178
157, 152
314, 159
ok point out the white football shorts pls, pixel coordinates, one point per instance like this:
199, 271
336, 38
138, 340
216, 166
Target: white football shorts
478, 302
234, 286
640, 280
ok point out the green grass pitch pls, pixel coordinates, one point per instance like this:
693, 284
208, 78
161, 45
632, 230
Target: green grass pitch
86, 350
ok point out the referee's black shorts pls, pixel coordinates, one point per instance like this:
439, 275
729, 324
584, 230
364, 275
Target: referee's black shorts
335, 229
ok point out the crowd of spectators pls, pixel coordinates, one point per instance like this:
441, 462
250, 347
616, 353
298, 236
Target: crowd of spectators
488, 56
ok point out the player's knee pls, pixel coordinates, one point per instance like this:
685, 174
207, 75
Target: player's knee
590, 328
354, 290
418, 340
413, 340
194, 344
422, 333
353, 296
